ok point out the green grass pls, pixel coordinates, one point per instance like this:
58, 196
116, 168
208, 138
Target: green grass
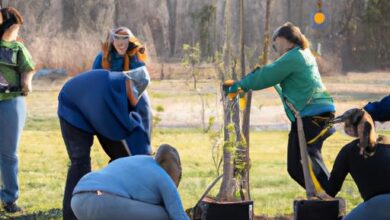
44, 161
43, 166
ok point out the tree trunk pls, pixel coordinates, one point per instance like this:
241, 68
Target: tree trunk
193, 75
172, 5
226, 190
289, 10
300, 7
243, 149
227, 186
4, 3
162, 75
266, 33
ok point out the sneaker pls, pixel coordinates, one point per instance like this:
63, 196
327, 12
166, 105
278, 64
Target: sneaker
11, 208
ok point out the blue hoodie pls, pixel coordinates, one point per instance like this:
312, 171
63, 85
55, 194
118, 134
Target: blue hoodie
96, 102
143, 106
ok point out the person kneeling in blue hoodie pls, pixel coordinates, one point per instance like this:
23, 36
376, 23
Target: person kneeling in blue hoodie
137, 187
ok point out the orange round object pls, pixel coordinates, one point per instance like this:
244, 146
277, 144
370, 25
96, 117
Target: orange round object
319, 18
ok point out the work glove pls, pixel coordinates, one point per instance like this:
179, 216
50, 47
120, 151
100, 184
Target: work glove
232, 88
25, 82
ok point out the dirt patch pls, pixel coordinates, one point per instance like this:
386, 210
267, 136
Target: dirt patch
262, 217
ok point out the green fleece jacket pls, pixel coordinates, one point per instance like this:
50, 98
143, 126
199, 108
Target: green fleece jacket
296, 77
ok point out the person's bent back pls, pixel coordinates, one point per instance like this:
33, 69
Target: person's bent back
137, 187
368, 162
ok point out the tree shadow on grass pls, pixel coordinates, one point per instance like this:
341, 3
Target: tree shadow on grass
40, 215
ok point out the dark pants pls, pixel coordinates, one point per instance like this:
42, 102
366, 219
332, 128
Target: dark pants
312, 126
78, 145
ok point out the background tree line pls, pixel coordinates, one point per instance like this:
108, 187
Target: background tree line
354, 38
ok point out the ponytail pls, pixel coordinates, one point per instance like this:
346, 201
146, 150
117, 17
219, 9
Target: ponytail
304, 42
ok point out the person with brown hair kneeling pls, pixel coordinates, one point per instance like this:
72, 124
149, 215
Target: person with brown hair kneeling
137, 187
367, 159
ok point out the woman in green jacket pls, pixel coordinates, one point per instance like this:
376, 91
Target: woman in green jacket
296, 78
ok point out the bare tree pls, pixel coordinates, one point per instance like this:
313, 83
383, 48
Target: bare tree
191, 60
227, 186
172, 7
300, 13
266, 33
236, 150
242, 161
3, 3
288, 10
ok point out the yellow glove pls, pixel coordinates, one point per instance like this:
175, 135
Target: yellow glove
232, 88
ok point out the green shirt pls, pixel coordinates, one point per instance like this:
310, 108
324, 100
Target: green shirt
296, 77
14, 61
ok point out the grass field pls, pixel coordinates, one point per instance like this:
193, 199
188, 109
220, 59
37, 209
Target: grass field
43, 159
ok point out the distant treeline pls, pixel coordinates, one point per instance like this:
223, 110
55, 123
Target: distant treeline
67, 33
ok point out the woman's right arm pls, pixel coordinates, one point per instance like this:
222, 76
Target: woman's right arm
269, 75
171, 199
339, 172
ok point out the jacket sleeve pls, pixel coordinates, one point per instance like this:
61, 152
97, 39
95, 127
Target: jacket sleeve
379, 111
97, 63
269, 75
339, 172
25, 63
135, 62
171, 199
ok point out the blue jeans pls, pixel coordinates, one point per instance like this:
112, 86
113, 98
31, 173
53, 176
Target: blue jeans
12, 119
377, 208
89, 205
